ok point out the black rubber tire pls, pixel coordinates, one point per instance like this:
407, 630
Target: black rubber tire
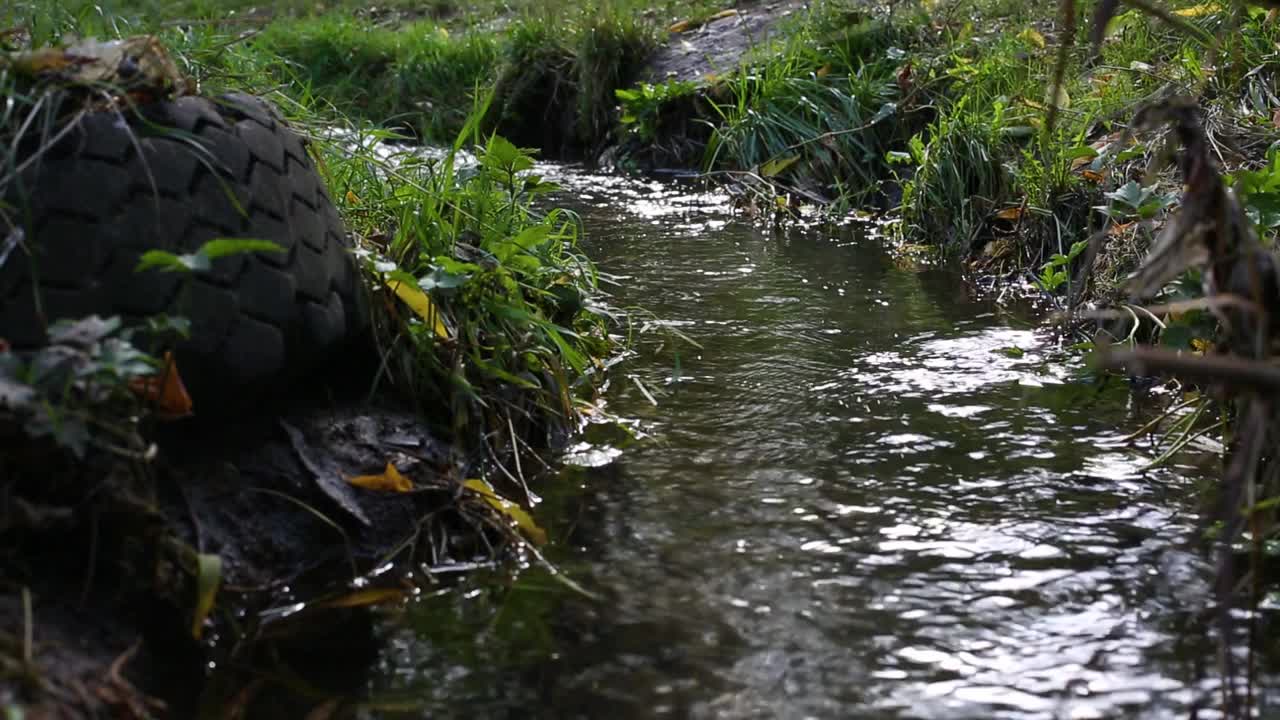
173, 175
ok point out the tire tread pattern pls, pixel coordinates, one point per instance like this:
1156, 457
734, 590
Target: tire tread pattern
172, 176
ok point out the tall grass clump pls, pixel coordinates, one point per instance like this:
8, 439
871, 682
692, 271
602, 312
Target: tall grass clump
822, 122
555, 89
535, 93
610, 48
418, 76
985, 151
960, 177
503, 340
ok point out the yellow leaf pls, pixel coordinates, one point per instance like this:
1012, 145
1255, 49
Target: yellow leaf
42, 60
1120, 229
823, 71
365, 597
1200, 10
679, 27
166, 392
417, 300
513, 511
1199, 344
777, 165
1011, 213
353, 198
1032, 37
390, 480
208, 577
722, 14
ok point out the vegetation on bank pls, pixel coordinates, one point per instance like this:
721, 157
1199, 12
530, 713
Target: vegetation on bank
936, 112
484, 319
932, 111
507, 287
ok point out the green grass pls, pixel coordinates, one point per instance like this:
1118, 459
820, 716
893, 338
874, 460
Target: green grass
518, 345
417, 76
933, 112
411, 65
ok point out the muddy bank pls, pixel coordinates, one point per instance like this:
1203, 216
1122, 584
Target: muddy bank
103, 560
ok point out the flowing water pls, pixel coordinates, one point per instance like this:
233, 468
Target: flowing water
863, 494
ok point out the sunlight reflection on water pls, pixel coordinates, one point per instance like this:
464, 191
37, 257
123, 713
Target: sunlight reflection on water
867, 497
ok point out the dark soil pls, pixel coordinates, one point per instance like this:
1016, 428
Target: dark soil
104, 551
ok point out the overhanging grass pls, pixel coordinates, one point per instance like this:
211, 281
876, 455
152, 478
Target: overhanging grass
515, 346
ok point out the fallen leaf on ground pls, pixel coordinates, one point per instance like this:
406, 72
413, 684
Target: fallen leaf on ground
365, 597
165, 392
389, 480
513, 511
679, 27
722, 14
1120, 228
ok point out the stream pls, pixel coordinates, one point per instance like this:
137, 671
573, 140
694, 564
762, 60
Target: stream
863, 493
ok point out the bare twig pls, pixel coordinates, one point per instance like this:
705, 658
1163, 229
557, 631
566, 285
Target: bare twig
1232, 372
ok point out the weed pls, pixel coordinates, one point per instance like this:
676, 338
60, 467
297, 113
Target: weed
1132, 201
1055, 273
76, 390
835, 125
555, 89
959, 177
1259, 193
515, 338
642, 106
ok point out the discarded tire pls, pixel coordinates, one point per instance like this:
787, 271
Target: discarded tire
173, 176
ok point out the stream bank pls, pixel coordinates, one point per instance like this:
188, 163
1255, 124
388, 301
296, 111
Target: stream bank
220, 528
934, 113
950, 139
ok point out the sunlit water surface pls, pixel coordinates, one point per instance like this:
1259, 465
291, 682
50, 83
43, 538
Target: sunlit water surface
862, 494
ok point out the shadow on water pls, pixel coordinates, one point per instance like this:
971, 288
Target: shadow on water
863, 494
